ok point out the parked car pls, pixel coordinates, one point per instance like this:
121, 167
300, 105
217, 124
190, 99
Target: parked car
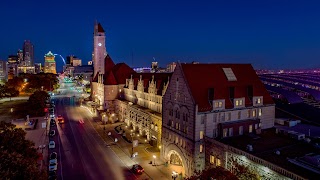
53, 155
52, 145
52, 133
137, 169
53, 166
52, 175
53, 161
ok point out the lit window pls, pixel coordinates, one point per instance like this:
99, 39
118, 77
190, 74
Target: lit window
258, 100
250, 129
218, 163
237, 102
177, 140
177, 126
201, 148
225, 132
201, 134
260, 112
220, 104
211, 159
253, 113
240, 102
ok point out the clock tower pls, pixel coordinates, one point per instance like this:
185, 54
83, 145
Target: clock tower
99, 49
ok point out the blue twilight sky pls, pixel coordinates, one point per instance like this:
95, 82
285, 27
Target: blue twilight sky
268, 34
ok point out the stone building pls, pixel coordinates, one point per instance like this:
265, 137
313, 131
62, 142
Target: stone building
214, 101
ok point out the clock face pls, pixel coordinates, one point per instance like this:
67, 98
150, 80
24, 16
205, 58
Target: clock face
99, 44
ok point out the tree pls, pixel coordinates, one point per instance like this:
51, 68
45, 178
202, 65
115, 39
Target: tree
218, 173
244, 172
37, 103
18, 157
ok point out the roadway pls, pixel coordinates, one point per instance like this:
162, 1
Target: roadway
82, 154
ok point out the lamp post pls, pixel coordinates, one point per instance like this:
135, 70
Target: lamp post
154, 159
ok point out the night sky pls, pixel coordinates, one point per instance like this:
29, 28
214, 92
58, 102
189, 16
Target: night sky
269, 34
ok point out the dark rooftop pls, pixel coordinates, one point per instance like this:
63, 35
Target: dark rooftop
268, 142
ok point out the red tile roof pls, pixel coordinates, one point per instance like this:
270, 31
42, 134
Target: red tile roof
122, 72
108, 63
201, 77
109, 79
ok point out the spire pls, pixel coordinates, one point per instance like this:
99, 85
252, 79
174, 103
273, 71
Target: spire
100, 28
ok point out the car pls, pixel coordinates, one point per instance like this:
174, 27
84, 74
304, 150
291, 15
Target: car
52, 133
53, 161
52, 145
81, 121
137, 169
53, 155
53, 166
52, 175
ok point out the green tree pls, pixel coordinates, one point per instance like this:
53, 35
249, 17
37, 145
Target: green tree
37, 103
244, 172
218, 173
18, 157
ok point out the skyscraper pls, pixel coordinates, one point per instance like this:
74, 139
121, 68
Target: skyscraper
99, 49
28, 53
49, 63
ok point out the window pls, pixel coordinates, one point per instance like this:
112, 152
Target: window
229, 116
256, 126
201, 148
177, 140
201, 134
259, 101
229, 74
249, 112
260, 112
225, 132
215, 133
241, 130
202, 119
230, 132
239, 114
218, 163
253, 113
250, 129
177, 126
218, 104
156, 128
211, 159
237, 102
172, 123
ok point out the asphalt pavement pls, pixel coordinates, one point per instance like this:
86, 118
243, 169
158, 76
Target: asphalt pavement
82, 153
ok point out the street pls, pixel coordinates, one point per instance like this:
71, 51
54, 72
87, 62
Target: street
82, 154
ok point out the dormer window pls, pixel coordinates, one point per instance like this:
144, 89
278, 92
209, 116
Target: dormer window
218, 104
257, 100
239, 102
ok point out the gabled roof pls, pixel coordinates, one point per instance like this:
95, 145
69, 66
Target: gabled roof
100, 28
109, 79
108, 64
122, 72
201, 77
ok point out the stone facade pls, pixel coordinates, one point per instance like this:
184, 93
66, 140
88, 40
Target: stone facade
185, 126
219, 154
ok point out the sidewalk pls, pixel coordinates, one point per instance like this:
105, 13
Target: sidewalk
123, 149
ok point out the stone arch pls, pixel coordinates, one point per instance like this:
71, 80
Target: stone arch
172, 148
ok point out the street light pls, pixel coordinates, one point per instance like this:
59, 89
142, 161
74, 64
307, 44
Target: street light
154, 159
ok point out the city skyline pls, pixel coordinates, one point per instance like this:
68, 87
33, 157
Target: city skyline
274, 35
